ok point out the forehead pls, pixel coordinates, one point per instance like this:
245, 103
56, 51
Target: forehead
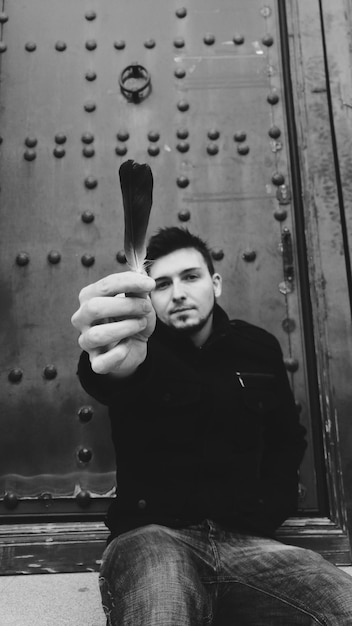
177, 262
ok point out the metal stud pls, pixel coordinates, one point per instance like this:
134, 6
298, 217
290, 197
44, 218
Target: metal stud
85, 455
15, 375
91, 44
217, 254
54, 257
153, 135
87, 217
83, 499
273, 98
121, 257
267, 40
60, 46
182, 12
238, 39
179, 42
119, 45
30, 155
213, 134
87, 138
90, 75
60, 138
240, 136
3, 17
280, 214
288, 325
182, 181
22, 259
180, 72
50, 372
121, 150
3, 47
212, 149
249, 256
59, 152
243, 149
88, 151
90, 15
30, 46
209, 39
291, 364
91, 182
184, 215
182, 146
182, 133
123, 135
149, 44
265, 11
10, 500
90, 106
278, 179
183, 105
85, 413
30, 142
153, 150
274, 132
87, 260
142, 504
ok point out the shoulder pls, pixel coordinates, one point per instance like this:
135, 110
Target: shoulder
254, 335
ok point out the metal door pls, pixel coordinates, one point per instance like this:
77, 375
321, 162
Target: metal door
198, 92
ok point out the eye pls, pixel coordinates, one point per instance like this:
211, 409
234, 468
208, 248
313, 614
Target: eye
192, 276
160, 285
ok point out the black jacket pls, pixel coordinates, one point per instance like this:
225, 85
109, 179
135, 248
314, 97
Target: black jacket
209, 432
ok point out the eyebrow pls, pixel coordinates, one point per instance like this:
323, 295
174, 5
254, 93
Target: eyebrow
186, 271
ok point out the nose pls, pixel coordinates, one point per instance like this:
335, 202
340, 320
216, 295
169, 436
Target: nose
178, 292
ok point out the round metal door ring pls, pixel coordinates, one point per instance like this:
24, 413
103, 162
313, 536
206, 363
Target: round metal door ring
135, 82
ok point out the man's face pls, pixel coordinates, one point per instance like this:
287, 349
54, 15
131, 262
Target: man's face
185, 292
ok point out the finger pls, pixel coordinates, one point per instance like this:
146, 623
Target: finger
106, 334
131, 282
117, 307
103, 363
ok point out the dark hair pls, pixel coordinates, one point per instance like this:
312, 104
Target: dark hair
167, 240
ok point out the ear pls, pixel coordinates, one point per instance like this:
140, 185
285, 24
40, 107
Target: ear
217, 284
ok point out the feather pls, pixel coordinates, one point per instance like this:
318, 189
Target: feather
136, 182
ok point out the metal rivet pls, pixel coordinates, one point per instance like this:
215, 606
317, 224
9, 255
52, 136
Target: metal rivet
183, 105
85, 455
54, 257
291, 364
22, 259
90, 75
209, 39
153, 150
30, 142
212, 149
274, 132
90, 106
182, 12
142, 504
50, 372
91, 44
88, 151
30, 46
83, 499
91, 182
242, 148
288, 325
240, 136
60, 138
217, 254
273, 98
123, 135
182, 133
30, 155
87, 260
85, 413
121, 150
119, 45
59, 152
213, 134
3, 47
249, 256
182, 146
182, 181
238, 39
87, 138
149, 44
153, 135
90, 15
180, 72
121, 257
179, 42
278, 178
87, 217
10, 500
280, 214
267, 40
184, 215
60, 46
3, 17
15, 375
265, 11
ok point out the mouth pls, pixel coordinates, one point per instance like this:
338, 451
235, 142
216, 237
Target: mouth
182, 310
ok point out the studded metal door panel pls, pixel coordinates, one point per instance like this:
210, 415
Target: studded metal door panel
196, 91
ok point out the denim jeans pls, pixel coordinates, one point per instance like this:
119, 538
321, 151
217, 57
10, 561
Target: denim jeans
159, 576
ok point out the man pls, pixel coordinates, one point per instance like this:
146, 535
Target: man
208, 445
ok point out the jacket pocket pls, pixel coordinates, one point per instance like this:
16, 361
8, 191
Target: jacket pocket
259, 391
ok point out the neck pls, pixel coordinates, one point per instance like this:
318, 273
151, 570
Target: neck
199, 337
